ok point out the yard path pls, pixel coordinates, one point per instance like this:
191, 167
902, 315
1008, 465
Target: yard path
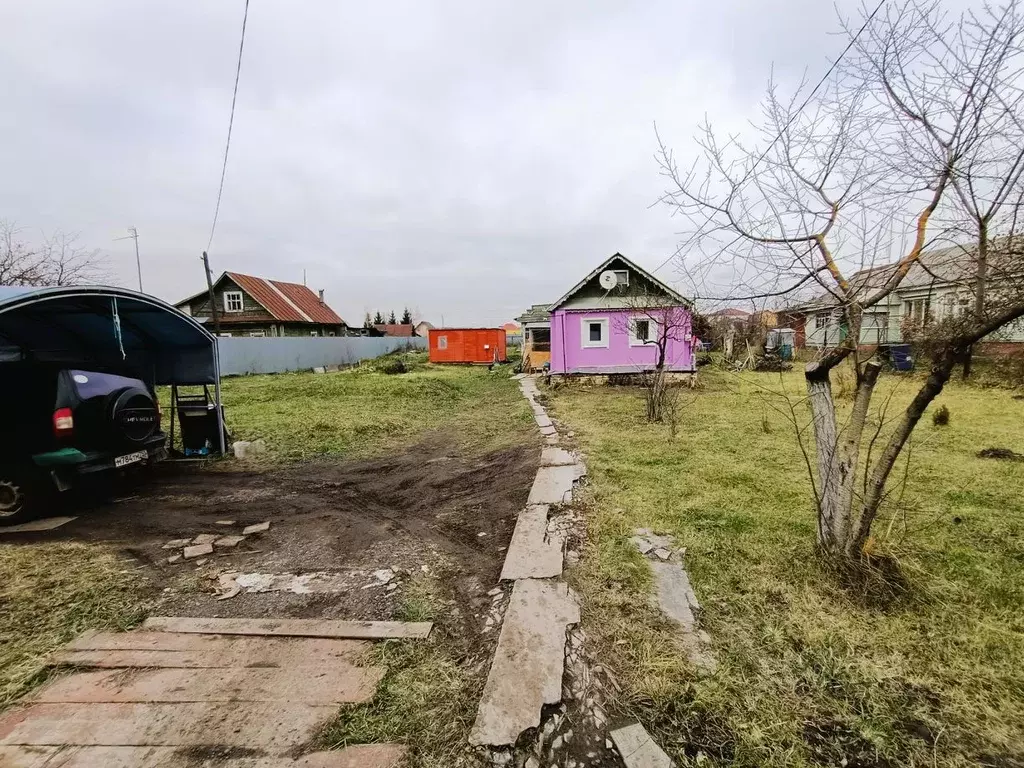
185, 699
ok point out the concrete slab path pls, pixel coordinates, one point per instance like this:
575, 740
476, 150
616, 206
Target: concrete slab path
528, 664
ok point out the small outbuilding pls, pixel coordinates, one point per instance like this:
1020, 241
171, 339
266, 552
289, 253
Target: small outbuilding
482, 346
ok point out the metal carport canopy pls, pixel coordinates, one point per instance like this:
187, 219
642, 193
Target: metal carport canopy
79, 325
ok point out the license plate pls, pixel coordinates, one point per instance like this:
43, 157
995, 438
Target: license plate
131, 458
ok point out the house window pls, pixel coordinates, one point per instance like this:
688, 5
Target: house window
642, 330
314, 333
233, 301
330, 333
918, 311
257, 334
621, 277
821, 320
442, 342
594, 332
225, 335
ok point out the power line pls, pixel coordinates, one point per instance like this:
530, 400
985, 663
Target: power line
231, 122
800, 109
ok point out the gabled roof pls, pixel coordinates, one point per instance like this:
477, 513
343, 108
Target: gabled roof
286, 302
670, 292
395, 329
729, 312
538, 313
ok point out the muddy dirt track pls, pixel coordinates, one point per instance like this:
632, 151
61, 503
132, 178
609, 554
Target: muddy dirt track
425, 512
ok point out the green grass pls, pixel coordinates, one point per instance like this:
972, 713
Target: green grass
51, 592
428, 697
361, 412
809, 673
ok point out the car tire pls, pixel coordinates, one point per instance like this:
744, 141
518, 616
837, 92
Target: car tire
19, 496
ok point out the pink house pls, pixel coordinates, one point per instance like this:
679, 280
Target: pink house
620, 319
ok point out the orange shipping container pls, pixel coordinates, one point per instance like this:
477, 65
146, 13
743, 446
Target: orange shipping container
467, 345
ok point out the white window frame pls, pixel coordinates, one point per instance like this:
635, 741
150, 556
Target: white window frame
585, 342
622, 276
314, 333
442, 342
822, 320
652, 331
257, 334
228, 295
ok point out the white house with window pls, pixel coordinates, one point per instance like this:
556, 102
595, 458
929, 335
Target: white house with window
939, 287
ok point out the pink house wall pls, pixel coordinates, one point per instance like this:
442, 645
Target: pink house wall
569, 356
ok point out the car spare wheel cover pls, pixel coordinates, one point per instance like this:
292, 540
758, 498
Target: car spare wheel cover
134, 414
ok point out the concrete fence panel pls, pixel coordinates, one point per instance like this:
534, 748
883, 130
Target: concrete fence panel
277, 355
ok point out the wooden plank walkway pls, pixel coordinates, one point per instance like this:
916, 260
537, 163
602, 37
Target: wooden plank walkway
177, 699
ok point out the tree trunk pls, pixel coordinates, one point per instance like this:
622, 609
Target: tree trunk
981, 279
838, 457
883, 467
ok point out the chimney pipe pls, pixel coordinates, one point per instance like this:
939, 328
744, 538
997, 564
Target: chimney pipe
321, 297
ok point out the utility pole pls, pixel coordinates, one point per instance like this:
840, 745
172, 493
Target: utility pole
133, 234
213, 304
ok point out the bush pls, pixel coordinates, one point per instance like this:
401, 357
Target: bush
393, 366
941, 417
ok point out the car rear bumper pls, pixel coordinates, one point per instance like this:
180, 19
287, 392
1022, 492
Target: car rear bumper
69, 462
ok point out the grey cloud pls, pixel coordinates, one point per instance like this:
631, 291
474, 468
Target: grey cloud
466, 159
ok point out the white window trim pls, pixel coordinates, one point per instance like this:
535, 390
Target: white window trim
652, 329
442, 342
623, 277
314, 333
257, 334
585, 342
241, 301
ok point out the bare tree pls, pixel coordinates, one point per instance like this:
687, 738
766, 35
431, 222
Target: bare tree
915, 140
57, 260
655, 322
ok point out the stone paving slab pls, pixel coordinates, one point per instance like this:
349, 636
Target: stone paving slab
356, 756
553, 485
638, 749
533, 553
45, 524
557, 457
528, 664
339, 683
358, 630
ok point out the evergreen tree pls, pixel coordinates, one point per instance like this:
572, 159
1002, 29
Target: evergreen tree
391, 317
406, 317
378, 319
368, 321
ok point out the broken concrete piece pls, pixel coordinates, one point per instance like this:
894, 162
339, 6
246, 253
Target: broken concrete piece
256, 528
553, 485
177, 543
638, 749
174, 559
205, 538
204, 561
384, 575
225, 522
678, 602
662, 554
228, 541
197, 550
320, 369
528, 664
240, 448
533, 552
642, 544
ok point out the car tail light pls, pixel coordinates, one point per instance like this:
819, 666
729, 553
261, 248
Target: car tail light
63, 423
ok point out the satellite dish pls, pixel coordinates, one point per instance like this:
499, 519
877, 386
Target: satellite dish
608, 280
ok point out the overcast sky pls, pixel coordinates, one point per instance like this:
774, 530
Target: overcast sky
463, 159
